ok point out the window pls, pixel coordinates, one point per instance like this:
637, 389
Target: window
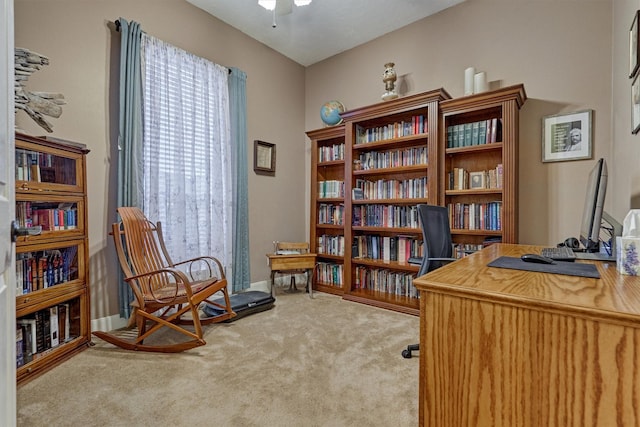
186, 146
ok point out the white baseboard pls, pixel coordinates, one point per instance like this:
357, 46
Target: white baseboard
261, 286
108, 323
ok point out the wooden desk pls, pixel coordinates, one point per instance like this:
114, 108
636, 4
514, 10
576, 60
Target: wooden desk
284, 263
510, 348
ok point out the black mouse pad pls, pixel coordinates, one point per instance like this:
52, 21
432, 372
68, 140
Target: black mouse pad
560, 267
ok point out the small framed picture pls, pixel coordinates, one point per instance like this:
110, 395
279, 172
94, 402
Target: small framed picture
477, 180
264, 158
635, 105
567, 136
634, 46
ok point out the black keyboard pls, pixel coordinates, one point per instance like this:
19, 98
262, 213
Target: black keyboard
559, 254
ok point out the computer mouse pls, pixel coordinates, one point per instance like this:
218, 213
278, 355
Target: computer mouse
537, 258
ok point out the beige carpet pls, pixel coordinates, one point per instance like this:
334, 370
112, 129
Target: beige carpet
320, 362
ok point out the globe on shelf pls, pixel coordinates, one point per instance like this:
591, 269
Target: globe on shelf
330, 113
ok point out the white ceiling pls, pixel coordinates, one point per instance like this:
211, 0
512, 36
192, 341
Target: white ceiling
324, 28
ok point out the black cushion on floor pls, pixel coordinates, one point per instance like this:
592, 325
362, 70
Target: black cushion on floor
243, 303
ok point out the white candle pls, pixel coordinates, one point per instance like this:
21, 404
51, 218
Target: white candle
468, 80
480, 82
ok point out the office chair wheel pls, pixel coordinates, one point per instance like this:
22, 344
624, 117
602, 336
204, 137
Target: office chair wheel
407, 353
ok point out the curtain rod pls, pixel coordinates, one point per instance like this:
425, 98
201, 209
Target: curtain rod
118, 25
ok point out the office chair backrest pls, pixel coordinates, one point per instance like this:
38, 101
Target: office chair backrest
436, 235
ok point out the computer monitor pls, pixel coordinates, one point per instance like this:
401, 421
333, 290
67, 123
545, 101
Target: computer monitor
593, 207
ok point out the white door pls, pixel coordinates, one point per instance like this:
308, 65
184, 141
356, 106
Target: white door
7, 213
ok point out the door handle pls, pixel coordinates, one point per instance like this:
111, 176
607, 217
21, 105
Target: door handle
23, 231
15, 232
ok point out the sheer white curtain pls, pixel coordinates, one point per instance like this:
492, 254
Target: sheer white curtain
186, 169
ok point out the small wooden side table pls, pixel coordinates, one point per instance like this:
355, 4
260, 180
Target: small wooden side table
292, 262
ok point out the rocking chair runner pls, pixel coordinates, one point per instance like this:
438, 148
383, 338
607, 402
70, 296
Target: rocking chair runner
164, 291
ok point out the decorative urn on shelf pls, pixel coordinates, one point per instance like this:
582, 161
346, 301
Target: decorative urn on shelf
389, 78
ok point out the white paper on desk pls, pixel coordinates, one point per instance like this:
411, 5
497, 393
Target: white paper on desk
284, 252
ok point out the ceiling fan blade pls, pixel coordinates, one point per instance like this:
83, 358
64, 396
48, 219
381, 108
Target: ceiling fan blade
284, 7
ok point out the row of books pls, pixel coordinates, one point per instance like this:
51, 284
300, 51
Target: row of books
62, 217
331, 214
474, 133
329, 273
386, 216
415, 126
393, 188
387, 248
461, 179
463, 249
476, 216
44, 330
331, 152
331, 245
330, 189
391, 159
28, 164
43, 269
384, 280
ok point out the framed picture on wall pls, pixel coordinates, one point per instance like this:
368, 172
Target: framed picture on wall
567, 136
264, 158
634, 46
635, 105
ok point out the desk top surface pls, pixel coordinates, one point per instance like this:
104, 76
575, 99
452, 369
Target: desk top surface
613, 296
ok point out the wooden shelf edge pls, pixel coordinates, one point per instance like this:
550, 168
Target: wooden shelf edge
331, 163
29, 303
414, 201
474, 148
407, 305
329, 258
392, 170
328, 289
389, 142
473, 192
394, 230
391, 265
53, 357
485, 99
460, 231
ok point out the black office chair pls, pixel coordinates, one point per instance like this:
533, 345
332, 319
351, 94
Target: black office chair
437, 247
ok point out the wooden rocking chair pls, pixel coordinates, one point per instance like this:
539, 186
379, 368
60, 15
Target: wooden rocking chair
166, 293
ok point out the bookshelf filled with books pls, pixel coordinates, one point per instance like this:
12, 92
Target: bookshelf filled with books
52, 286
389, 170
479, 173
328, 208
426, 148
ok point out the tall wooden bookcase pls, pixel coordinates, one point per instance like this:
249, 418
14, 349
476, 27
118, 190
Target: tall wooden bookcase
479, 173
52, 278
328, 208
386, 171
363, 223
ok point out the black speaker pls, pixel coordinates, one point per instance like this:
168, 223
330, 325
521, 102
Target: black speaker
571, 243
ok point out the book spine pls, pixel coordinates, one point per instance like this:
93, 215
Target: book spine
19, 347
53, 323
